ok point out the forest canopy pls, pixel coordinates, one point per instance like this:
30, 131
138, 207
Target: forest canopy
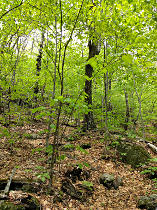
97, 59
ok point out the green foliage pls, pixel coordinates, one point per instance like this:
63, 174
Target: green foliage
114, 144
152, 169
152, 172
81, 150
37, 150
132, 135
49, 149
88, 185
81, 165
43, 176
61, 157
69, 146
4, 132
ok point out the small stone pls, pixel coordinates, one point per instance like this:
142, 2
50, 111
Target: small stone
107, 180
110, 181
117, 182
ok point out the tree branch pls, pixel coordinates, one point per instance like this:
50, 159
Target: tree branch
11, 10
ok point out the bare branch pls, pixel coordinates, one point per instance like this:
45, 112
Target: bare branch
11, 10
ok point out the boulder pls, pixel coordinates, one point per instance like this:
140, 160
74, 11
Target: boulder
132, 154
148, 202
110, 181
26, 202
9, 205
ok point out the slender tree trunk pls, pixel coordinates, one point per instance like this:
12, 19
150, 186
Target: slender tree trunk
54, 84
106, 88
139, 95
106, 99
38, 65
1, 104
109, 100
61, 75
127, 115
132, 114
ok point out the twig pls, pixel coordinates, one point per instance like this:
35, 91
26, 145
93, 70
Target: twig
11, 9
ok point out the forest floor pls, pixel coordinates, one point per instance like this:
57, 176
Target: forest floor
31, 160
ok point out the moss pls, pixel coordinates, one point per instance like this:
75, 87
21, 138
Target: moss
133, 154
5, 205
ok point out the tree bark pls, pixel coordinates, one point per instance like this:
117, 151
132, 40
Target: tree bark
127, 115
38, 64
89, 123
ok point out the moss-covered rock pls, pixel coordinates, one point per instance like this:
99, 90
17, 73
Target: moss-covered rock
110, 181
148, 202
26, 202
133, 154
6, 205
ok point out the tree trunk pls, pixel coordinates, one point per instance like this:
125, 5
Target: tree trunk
88, 118
139, 96
38, 65
106, 100
127, 115
109, 100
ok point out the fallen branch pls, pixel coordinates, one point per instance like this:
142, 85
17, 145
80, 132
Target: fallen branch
6, 190
153, 147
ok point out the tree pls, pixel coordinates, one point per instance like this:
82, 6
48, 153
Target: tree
94, 49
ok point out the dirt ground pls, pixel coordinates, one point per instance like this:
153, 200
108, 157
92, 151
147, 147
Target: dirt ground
29, 157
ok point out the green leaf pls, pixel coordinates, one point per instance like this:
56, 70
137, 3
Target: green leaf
62, 157
145, 171
127, 59
86, 164
80, 165
88, 184
49, 149
81, 150
53, 126
153, 159
46, 175
60, 98
40, 167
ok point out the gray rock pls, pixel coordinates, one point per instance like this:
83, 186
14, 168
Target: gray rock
110, 181
148, 202
133, 154
117, 182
